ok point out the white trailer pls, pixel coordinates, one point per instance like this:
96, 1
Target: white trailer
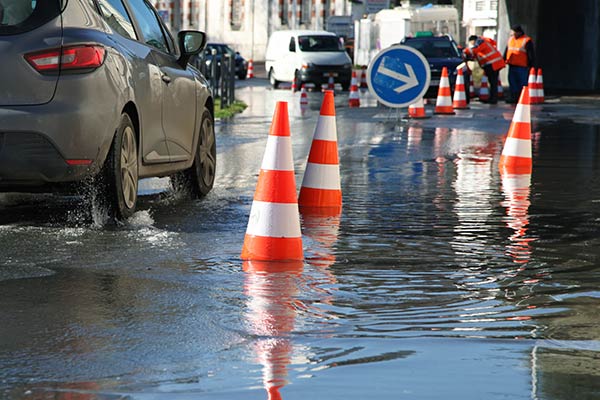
387, 27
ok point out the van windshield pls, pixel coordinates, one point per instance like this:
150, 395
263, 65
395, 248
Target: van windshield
17, 16
319, 43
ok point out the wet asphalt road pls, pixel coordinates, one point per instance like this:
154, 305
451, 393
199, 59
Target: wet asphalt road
439, 278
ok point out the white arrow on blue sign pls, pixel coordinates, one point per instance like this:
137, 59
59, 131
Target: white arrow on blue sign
398, 76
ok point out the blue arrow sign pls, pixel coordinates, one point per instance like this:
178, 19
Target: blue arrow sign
398, 76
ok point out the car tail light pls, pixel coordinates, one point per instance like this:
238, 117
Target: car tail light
78, 162
67, 58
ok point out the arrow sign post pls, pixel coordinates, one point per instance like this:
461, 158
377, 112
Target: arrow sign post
398, 76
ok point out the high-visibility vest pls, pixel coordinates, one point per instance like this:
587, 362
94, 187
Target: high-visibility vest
516, 53
487, 54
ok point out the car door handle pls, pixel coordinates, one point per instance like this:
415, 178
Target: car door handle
166, 78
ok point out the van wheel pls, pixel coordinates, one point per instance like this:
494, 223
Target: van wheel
118, 180
297, 80
199, 179
274, 82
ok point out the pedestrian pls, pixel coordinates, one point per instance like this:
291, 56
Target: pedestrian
484, 50
520, 57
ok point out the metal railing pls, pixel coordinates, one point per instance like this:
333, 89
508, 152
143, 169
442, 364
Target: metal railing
220, 73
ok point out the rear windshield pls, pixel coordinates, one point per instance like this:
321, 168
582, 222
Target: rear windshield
320, 43
17, 16
435, 48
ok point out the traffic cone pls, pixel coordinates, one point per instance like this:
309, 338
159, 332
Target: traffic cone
516, 155
330, 83
484, 91
294, 86
321, 185
250, 73
273, 232
417, 109
460, 97
353, 98
532, 85
303, 98
500, 89
471, 87
363, 78
540, 86
443, 104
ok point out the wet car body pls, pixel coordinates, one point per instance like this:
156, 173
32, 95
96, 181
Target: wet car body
440, 51
59, 122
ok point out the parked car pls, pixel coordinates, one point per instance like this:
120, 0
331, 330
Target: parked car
97, 94
307, 56
241, 65
440, 51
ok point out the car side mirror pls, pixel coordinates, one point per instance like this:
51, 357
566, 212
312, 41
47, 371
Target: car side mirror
190, 44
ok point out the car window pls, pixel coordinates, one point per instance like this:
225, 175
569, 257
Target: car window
115, 14
319, 43
435, 48
148, 21
17, 16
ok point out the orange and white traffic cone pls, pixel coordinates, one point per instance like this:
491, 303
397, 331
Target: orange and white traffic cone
516, 154
460, 96
532, 85
330, 83
303, 99
353, 97
273, 232
443, 104
471, 87
500, 89
417, 109
363, 78
321, 186
294, 86
250, 73
484, 90
540, 86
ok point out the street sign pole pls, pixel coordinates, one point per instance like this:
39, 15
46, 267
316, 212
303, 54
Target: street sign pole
398, 76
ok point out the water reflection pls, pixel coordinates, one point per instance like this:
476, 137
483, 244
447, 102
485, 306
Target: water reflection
516, 189
272, 290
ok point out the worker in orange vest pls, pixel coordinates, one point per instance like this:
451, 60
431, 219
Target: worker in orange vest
520, 57
484, 50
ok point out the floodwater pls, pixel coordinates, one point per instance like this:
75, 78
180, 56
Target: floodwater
439, 279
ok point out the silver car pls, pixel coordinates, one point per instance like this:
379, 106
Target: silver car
98, 93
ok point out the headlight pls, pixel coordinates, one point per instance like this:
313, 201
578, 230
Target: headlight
307, 65
347, 66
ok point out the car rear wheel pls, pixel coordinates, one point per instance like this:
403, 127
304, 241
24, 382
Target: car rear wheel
199, 179
119, 176
274, 82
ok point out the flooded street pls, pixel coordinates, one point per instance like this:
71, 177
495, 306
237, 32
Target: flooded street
440, 278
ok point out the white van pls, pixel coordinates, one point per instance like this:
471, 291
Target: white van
307, 56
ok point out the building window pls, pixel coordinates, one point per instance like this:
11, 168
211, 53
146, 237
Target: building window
236, 14
494, 5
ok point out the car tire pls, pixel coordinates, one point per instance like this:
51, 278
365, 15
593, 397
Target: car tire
199, 179
274, 82
297, 80
119, 175
242, 75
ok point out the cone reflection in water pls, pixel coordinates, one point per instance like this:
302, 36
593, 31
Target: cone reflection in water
516, 189
273, 231
321, 186
516, 154
321, 225
272, 291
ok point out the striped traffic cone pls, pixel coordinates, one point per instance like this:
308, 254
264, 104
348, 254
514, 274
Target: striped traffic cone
417, 109
273, 232
471, 87
303, 99
353, 98
532, 85
330, 83
363, 79
460, 96
443, 104
500, 89
321, 185
540, 86
294, 86
516, 155
250, 73
484, 91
